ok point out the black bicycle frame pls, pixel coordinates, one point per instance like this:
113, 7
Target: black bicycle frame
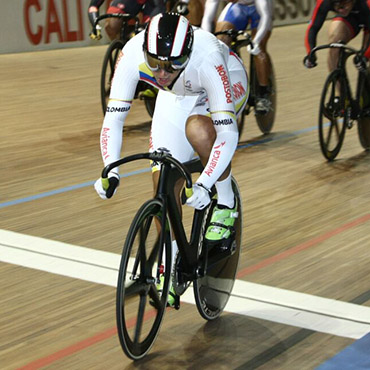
344, 53
165, 192
171, 172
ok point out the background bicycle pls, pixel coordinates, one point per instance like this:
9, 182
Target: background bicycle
144, 91
265, 122
146, 258
339, 108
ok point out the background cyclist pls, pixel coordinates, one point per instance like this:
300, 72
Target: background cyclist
148, 9
351, 16
202, 88
258, 14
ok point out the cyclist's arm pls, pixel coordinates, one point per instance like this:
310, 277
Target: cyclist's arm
124, 83
264, 9
215, 79
317, 20
93, 11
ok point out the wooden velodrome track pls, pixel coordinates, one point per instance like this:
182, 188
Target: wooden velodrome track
306, 228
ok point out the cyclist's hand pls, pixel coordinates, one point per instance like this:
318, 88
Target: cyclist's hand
310, 62
97, 35
200, 197
182, 8
113, 179
255, 50
360, 62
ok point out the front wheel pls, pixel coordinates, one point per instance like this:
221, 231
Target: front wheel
334, 115
363, 122
266, 121
109, 64
140, 306
213, 290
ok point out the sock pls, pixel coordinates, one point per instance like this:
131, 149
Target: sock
174, 252
263, 90
225, 194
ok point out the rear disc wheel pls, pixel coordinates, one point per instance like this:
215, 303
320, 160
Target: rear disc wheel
213, 290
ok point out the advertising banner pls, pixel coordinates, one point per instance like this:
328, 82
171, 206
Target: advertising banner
31, 25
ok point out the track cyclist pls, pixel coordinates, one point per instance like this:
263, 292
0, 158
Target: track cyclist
259, 15
148, 8
202, 88
351, 16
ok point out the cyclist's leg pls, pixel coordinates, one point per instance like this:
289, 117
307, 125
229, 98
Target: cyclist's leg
262, 60
168, 131
262, 25
196, 10
168, 127
201, 133
113, 25
232, 17
340, 29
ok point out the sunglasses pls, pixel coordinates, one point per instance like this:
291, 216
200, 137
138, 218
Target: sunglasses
169, 66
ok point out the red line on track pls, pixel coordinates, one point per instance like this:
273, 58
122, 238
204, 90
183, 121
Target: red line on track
38, 364
301, 247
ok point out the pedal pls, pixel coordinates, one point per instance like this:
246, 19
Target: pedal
224, 245
365, 112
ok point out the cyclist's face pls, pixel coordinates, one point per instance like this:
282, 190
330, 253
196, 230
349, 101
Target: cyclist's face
165, 78
343, 7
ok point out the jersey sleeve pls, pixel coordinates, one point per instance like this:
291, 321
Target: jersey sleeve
124, 84
214, 78
317, 20
264, 9
366, 13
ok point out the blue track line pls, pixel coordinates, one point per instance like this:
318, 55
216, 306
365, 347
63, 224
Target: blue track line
90, 183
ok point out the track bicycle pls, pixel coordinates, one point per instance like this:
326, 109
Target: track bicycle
146, 257
110, 59
265, 122
340, 107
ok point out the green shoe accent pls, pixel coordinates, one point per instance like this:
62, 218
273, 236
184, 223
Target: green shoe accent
172, 299
222, 222
147, 94
159, 285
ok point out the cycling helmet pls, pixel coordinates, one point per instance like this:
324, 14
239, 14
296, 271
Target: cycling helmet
168, 42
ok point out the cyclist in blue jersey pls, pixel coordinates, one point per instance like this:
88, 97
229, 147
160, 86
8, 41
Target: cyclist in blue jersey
258, 14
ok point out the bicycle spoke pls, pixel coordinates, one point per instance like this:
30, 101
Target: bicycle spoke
156, 299
334, 109
135, 287
138, 301
140, 318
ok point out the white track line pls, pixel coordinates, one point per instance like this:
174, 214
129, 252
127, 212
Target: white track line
254, 300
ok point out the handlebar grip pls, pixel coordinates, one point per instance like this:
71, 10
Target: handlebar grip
105, 183
188, 192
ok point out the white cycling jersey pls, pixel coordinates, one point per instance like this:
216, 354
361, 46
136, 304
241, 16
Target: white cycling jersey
214, 83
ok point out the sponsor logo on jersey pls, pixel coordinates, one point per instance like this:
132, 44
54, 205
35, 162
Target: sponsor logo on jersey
215, 157
225, 81
117, 109
238, 90
227, 121
104, 142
